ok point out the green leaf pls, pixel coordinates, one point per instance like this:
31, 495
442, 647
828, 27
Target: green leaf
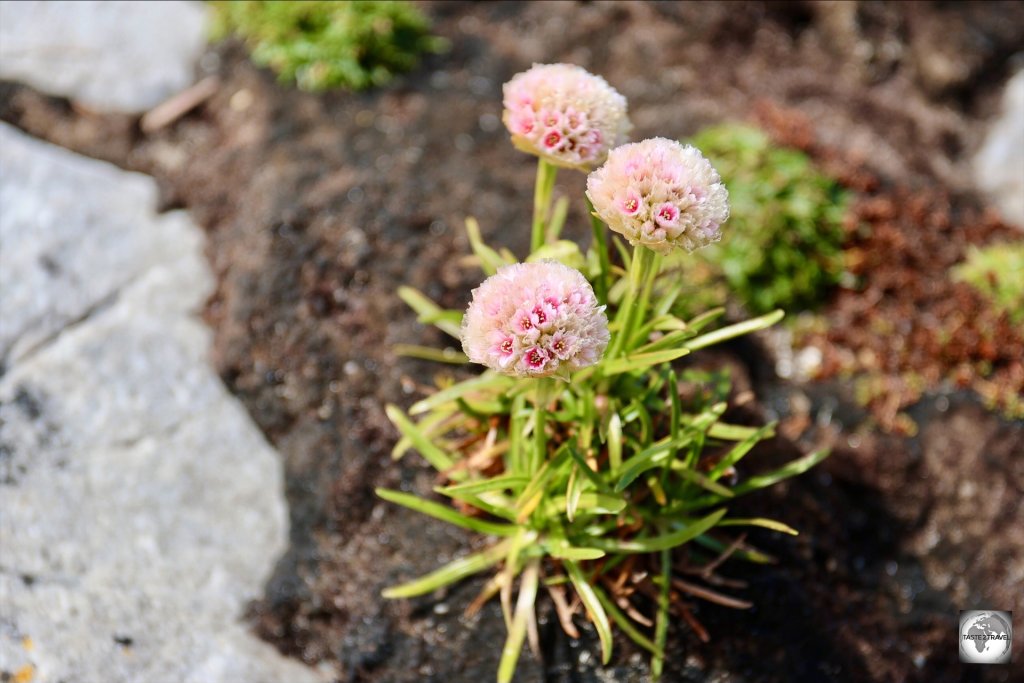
737, 330
500, 483
427, 309
649, 458
484, 382
642, 361
623, 622
490, 260
594, 503
699, 479
562, 550
792, 469
592, 603
446, 514
573, 491
517, 632
615, 442
450, 573
660, 542
761, 522
661, 621
798, 466
440, 460
558, 216
739, 450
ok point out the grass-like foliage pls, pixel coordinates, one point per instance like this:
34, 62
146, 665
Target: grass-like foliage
784, 246
322, 45
997, 272
608, 486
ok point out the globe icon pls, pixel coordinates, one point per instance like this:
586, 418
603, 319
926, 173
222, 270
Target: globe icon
985, 637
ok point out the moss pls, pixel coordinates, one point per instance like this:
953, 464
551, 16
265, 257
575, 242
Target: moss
324, 45
997, 273
782, 245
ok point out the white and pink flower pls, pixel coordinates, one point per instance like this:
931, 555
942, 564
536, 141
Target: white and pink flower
661, 194
535, 320
565, 114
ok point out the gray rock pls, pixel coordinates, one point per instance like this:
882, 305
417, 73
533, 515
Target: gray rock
110, 56
140, 508
999, 166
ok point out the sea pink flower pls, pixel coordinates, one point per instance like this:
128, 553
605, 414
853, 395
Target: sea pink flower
535, 320
564, 114
661, 194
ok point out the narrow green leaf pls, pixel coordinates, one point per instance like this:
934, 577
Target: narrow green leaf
592, 603
564, 551
792, 469
427, 426
699, 479
739, 329
441, 461
573, 491
642, 361
446, 514
623, 622
558, 216
661, 621
450, 573
655, 455
615, 442
501, 483
739, 450
761, 522
516, 634
660, 542
424, 307
486, 381
490, 260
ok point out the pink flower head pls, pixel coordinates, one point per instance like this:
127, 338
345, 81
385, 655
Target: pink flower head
535, 320
682, 201
564, 114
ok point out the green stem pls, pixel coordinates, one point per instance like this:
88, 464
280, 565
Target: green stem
540, 413
545, 185
640, 271
640, 310
661, 625
600, 231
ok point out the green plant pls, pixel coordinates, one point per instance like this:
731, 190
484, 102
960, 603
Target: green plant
785, 229
321, 45
609, 475
997, 272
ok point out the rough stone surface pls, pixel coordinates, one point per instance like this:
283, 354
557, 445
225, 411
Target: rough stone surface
140, 508
999, 166
110, 56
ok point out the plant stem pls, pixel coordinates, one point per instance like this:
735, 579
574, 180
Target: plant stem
545, 185
661, 624
641, 277
600, 231
540, 439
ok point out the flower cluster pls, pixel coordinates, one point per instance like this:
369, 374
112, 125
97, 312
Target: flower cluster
535, 320
565, 115
660, 194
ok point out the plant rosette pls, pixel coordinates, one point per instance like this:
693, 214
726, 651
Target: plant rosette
575, 450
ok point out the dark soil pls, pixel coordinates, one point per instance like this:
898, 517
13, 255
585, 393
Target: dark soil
318, 207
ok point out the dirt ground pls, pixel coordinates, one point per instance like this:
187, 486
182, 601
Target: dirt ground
319, 207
